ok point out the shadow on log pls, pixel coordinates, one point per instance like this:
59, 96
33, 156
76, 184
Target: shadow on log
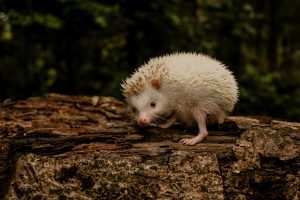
74, 147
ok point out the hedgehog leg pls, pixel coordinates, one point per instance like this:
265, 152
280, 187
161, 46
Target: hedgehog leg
169, 122
201, 119
217, 118
221, 117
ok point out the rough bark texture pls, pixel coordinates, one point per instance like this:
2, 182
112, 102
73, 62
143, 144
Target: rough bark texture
67, 147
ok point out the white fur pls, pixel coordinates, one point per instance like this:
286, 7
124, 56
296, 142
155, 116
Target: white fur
142, 104
191, 85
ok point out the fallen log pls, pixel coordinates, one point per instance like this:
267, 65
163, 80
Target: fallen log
78, 147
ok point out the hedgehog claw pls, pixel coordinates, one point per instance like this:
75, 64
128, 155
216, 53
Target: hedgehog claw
188, 141
194, 140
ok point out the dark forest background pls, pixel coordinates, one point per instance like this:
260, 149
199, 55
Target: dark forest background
86, 47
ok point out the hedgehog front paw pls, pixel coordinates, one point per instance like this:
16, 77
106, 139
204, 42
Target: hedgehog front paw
194, 140
165, 125
169, 122
191, 141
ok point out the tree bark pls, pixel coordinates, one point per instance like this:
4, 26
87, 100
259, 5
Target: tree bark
77, 147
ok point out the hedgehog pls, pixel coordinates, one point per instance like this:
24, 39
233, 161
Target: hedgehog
188, 88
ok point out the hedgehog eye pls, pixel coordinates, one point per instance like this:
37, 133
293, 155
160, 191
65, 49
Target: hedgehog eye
152, 104
134, 110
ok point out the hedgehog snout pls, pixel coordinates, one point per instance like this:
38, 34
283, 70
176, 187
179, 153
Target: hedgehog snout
143, 122
144, 118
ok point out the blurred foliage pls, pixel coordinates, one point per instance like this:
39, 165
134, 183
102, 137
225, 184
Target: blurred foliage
88, 47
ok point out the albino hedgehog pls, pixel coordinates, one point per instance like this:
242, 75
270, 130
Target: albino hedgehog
187, 88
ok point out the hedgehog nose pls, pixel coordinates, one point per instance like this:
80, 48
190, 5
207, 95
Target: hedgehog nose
143, 122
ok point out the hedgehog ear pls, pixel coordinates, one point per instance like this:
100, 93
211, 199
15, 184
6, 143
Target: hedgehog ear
155, 83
